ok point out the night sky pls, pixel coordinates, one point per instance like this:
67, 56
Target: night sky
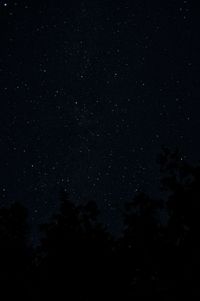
90, 91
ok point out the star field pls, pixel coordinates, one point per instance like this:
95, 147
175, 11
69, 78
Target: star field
90, 92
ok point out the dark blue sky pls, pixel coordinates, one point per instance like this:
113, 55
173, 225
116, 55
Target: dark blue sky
90, 91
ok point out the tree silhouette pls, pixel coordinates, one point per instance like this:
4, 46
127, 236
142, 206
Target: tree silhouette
78, 259
76, 249
15, 254
163, 260
182, 236
140, 246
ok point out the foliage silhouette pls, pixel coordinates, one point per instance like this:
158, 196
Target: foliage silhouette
15, 253
78, 247
78, 259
